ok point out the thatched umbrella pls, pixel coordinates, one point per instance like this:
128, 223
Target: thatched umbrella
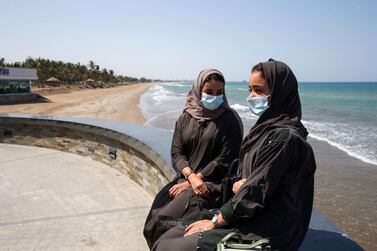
52, 81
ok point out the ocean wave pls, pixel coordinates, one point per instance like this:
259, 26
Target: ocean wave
239, 107
159, 90
160, 94
159, 100
174, 84
344, 149
247, 115
356, 141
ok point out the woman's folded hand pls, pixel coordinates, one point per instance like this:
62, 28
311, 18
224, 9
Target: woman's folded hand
237, 185
199, 226
179, 188
198, 185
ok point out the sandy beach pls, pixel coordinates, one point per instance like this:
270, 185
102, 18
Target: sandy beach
117, 103
346, 192
346, 188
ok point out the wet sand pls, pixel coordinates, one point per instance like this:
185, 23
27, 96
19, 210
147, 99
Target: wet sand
117, 103
346, 192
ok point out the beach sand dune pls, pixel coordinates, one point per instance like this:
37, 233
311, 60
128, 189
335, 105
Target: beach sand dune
117, 103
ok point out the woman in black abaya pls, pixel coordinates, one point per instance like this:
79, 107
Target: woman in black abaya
207, 138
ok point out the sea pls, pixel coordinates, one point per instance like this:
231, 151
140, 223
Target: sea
343, 114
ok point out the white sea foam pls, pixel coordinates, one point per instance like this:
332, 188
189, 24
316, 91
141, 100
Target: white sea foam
248, 115
239, 107
174, 84
160, 103
159, 94
352, 140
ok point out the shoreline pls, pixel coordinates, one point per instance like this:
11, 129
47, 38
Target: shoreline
346, 192
343, 149
117, 103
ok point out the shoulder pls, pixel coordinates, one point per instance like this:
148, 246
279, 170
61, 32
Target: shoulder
289, 139
231, 117
185, 116
230, 123
294, 146
287, 136
229, 114
182, 121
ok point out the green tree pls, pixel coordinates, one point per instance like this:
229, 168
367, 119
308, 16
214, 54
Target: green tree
70, 73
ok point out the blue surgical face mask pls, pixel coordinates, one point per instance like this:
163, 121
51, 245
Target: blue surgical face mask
211, 102
258, 104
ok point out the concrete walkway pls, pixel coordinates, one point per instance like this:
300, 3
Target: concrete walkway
51, 200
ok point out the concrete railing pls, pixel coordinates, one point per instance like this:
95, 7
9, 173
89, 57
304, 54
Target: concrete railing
117, 144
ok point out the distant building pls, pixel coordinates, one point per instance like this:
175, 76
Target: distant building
16, 80
15, 85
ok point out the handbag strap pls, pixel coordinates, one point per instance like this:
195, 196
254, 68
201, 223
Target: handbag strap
232, 235
262, 244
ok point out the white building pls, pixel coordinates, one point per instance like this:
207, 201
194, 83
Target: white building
16, 80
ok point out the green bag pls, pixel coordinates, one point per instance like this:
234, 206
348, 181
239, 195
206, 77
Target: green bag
228, 243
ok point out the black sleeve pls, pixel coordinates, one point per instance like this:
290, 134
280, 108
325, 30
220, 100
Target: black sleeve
179, 159
229, 150
272, 162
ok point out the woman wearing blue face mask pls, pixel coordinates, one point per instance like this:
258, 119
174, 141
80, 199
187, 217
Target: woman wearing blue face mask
274, 197
258, 99
207, 138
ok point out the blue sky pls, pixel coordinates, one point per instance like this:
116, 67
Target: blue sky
175, 39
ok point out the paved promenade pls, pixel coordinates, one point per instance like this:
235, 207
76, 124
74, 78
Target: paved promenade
51, 200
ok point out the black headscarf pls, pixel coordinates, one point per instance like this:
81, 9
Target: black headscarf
284, 98
284, 108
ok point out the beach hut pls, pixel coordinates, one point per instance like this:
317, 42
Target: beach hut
52, 81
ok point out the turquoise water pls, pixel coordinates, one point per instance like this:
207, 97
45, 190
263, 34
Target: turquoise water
342, 114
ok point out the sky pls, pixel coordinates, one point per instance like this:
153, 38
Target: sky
322, 40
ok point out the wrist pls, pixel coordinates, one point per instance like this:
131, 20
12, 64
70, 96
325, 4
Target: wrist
186, 172
188, 175
215, 220
191, 177
218, 221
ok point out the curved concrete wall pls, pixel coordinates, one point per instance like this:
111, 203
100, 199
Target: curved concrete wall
87, 137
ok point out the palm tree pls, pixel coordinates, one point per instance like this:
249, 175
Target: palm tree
92, 65
69, 72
